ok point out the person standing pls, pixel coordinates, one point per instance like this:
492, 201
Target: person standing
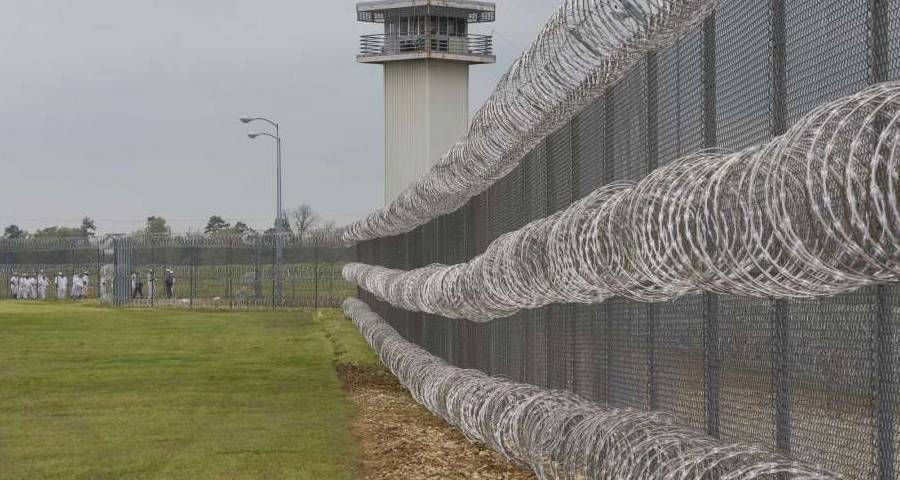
32, 287
137, 285
85, 285
25, 287
62, 283
103, 287
151, 285
14, 285
42, 283
76, 287
170, 283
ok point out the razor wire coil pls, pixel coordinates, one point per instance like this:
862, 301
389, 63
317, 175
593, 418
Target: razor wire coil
559, 434
812, 213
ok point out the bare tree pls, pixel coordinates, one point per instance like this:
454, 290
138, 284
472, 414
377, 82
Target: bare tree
304, 218
328, 235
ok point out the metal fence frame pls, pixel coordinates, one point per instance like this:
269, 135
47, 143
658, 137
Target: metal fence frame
211, 271
814, 379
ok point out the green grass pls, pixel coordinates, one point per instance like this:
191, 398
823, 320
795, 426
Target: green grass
100, 393
349, 346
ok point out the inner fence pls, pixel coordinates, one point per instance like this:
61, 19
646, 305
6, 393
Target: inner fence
187, 271
813, 379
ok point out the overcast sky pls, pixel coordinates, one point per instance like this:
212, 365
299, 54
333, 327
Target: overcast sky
124, 109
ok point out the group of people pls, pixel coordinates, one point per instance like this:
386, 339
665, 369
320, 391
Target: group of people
27, 286
137, 284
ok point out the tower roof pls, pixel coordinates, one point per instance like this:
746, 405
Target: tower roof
475, 11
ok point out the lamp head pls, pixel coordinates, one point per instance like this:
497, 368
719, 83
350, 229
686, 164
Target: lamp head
252, 135
246, 119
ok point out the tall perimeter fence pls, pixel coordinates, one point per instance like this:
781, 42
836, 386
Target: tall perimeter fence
204, 271
814, 379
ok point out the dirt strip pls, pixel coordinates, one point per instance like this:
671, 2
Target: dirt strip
400, 439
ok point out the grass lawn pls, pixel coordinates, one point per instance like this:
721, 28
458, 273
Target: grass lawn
96, 393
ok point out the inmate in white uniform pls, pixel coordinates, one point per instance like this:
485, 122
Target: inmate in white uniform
76, 286
42, 283
62, 283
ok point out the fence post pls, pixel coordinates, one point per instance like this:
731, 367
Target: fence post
780, 326
711, 354
5, 269
316, 275
609, 175
99, 269
274, 270
780, 323
192, 251
712, 362
257, 273
884, 380
652, 164
884, 334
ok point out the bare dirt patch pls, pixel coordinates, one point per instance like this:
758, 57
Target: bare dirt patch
400, 439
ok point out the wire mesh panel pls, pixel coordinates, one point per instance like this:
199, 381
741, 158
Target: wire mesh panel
560, 175
747, 392
456, 342
480, 338
416, 328
629, 354
589, 162
629, 152
499, 348
434, 331
479, 215
391, 252
826, 52
561, 347
886, 382
535, 186
680, 95
535, 326
505, 201
743, 73
830, 360
452, 238
679, 361
508, 340
429, 245
591, 352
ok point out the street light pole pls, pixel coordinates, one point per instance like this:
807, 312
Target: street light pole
279, 212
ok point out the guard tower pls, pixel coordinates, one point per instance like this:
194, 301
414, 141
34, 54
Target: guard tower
426, 50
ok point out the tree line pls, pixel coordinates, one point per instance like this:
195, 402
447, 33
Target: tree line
299, 222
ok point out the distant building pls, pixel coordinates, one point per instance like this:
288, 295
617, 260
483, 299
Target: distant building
426, 50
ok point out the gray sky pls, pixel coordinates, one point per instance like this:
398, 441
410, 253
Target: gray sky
124, 109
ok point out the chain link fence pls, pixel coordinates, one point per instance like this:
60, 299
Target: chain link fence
813, 379
188, 271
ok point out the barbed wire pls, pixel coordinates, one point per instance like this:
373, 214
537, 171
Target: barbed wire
815, 212
585, 47
559, 434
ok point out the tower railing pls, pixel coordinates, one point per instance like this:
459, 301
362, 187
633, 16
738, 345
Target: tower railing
395, 44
